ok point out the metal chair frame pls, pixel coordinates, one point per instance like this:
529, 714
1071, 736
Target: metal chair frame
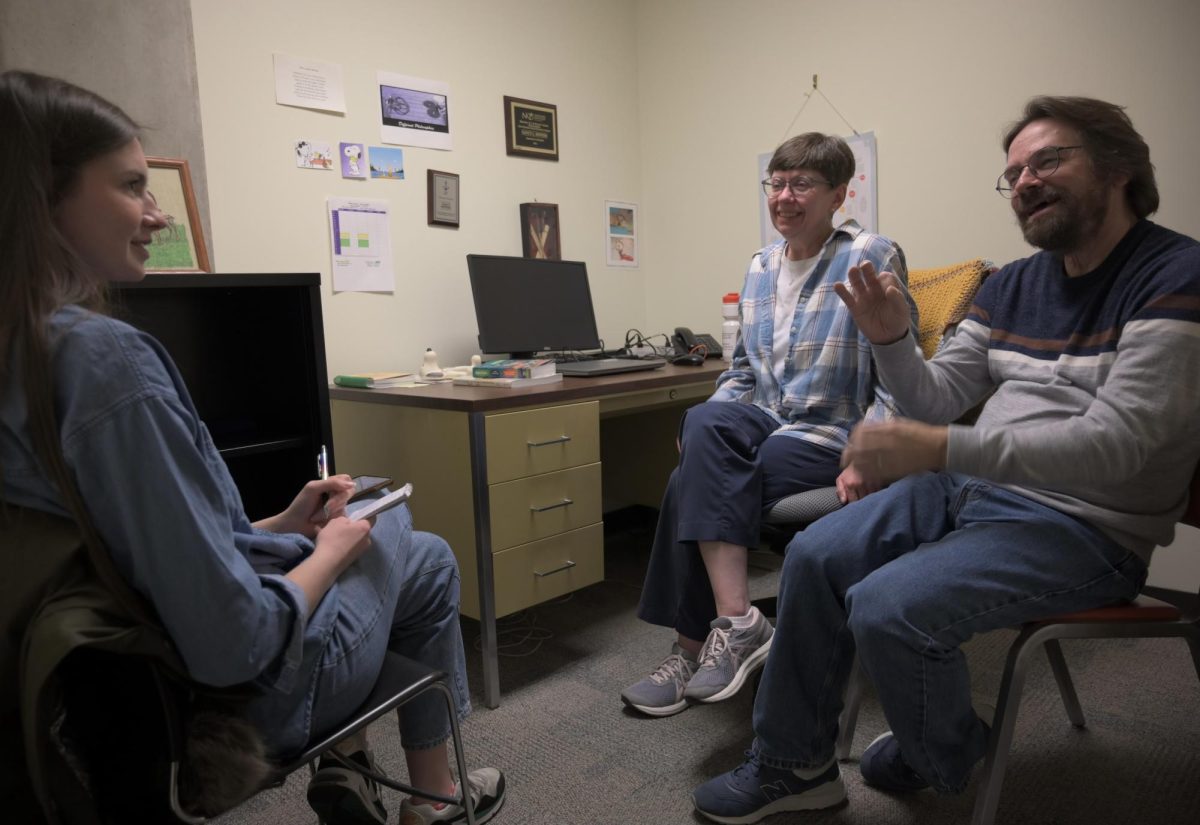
400, 681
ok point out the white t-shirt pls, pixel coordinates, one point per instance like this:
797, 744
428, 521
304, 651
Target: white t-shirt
792, 275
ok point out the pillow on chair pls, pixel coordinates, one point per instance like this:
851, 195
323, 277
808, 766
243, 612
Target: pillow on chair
943, 297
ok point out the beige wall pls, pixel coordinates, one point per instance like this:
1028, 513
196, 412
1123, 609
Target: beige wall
936, 80
267, 215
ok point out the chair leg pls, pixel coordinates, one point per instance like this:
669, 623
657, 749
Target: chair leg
987, 797
1058, 665
1194, 645
849, 717
464, 787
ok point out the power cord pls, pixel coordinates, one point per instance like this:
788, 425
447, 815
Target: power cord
635, 340
519, 635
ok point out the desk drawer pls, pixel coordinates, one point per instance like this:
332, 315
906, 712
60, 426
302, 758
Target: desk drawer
534, 508
538, 441
565, 562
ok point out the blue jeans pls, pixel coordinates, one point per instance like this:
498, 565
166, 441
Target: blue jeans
905, 576
402, 595
730, 471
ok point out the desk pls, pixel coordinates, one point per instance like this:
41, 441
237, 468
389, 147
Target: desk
512, 479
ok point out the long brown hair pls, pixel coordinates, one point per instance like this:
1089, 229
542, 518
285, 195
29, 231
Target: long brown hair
49, 129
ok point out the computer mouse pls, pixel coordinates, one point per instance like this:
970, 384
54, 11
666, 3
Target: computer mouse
692, 359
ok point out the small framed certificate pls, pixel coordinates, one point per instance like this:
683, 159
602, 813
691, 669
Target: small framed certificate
443, 198
530, 128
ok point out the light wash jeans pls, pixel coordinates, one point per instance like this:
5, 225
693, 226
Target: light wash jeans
401, 595
905, 576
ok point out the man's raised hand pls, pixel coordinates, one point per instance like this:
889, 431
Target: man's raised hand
876, 302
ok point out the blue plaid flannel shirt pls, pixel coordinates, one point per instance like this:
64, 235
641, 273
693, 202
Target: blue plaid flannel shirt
829, 382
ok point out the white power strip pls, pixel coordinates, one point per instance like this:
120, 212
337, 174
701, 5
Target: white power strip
642, 350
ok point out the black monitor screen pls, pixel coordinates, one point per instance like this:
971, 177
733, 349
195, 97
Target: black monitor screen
524, 306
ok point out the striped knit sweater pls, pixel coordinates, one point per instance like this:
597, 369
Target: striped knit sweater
1095, 382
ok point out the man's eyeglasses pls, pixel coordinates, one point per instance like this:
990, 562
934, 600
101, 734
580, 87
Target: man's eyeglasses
800, 186
1041, 165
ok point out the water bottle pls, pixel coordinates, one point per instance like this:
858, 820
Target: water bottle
730, 325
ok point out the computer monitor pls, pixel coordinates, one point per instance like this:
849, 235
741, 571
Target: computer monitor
524, 306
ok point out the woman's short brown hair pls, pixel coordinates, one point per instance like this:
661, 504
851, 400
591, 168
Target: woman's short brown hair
827, 154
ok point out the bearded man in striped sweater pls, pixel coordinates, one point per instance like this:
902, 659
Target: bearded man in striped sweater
1088, 356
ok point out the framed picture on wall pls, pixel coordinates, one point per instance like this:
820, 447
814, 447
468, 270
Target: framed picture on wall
530, 128
621, 226
539, 231
180, 247
442, 198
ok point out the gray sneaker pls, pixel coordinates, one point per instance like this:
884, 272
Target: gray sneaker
728, 657
661, 693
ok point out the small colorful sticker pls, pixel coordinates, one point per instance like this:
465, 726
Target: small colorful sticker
312, 154
354, 156
387, 162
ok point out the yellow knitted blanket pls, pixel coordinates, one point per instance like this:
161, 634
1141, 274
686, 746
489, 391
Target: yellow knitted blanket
943, 297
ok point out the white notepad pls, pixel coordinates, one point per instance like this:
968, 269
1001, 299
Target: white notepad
374, 506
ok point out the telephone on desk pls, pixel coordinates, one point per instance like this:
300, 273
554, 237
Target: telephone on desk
692, 349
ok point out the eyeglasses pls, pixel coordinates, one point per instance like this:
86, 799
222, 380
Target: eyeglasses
800, 186
1041, 165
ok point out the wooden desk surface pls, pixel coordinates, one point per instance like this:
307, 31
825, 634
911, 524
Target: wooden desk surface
485, 399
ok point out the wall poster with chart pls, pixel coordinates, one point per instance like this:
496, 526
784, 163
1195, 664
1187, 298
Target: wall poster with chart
862, 194
361, 246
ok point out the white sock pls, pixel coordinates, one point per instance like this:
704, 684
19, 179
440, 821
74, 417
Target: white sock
744, 622
813, 773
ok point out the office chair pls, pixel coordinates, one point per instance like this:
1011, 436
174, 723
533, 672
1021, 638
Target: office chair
1143, 618
85, 685
400, 681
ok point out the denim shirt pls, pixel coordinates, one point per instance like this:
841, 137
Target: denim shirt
167, 509
829, 382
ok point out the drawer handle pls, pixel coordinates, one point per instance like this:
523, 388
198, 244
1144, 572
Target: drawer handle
553, 506
562, 439
567, 565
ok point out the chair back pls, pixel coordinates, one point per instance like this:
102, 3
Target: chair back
1191, 515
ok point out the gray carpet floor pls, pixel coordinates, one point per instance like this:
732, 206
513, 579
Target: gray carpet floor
573, 754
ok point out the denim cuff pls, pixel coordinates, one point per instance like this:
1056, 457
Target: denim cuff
790, 764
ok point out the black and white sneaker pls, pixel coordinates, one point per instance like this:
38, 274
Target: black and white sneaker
342, 796
487, 795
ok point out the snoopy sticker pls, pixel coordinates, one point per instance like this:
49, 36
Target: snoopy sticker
352, 155
313, 155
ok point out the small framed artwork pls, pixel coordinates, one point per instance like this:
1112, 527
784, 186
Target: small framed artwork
539, 231
530, 128
621, 233
443, 198
180, 247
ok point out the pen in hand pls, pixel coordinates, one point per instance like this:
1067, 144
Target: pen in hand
323, 473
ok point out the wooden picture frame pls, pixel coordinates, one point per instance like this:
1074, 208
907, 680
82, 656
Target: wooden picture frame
539, 231
180, 247
443, 198
530, 128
